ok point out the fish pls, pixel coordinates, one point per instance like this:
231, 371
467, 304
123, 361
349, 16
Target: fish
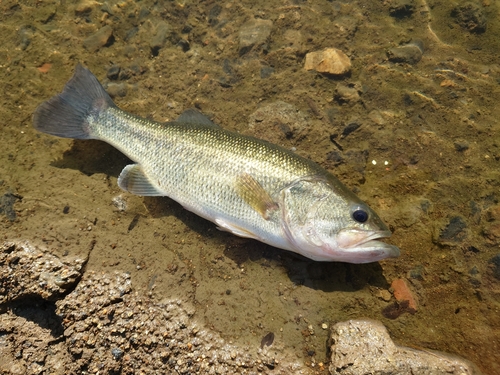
245, 185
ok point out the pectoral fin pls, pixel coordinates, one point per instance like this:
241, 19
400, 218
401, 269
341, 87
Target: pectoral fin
254, 194
133, 180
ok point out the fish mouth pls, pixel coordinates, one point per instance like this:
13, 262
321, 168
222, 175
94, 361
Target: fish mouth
358, 246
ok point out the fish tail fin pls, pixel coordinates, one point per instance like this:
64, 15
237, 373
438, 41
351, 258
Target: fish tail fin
67, 114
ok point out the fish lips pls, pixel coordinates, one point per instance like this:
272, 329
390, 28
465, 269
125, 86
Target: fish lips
359, 246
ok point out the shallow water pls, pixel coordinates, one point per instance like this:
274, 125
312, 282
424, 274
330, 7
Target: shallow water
425, 157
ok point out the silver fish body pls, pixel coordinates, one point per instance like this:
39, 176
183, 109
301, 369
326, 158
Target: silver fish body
246, 186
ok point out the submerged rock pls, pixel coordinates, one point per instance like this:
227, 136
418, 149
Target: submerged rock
330, 61
410, 53
455, 231
102, 38
254, 33
364, 347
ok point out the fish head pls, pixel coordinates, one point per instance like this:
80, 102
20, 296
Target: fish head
324, 221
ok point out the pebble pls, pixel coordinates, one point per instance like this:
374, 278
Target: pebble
461, 145
455, 231
116, 89
383, 294
364, 347
330, 61
113, 72
102, 38
119, 202
254, 33
410, 53
402, 292
84, 7
7, 205
117, 353
346, 94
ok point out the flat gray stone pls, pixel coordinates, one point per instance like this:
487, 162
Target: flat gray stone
254, 33
102, 38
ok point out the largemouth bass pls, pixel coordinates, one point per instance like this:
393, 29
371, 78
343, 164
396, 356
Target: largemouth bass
245, 185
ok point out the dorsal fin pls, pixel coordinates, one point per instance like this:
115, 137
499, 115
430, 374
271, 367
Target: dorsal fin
192, 116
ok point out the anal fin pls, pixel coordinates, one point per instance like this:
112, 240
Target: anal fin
133, 180
234, 229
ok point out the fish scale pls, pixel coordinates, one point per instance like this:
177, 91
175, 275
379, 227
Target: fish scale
245, 185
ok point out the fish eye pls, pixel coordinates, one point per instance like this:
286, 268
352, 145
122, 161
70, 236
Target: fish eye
360, 216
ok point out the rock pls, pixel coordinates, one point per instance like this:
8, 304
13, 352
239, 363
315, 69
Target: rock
159, 38
347, 93
495, 266
417, 272
335, 157
330, 61
410, 53
461, 145
401, 8
403, 293
7, 205
278, 122
102, 38
116, 89
213, 15
84, 7
364, 347
455, 231
184, 45
27, 271
113, 72
383, 294
254, 33
350, 128
471, 17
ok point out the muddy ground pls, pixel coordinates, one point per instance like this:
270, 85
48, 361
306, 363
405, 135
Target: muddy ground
414, 134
